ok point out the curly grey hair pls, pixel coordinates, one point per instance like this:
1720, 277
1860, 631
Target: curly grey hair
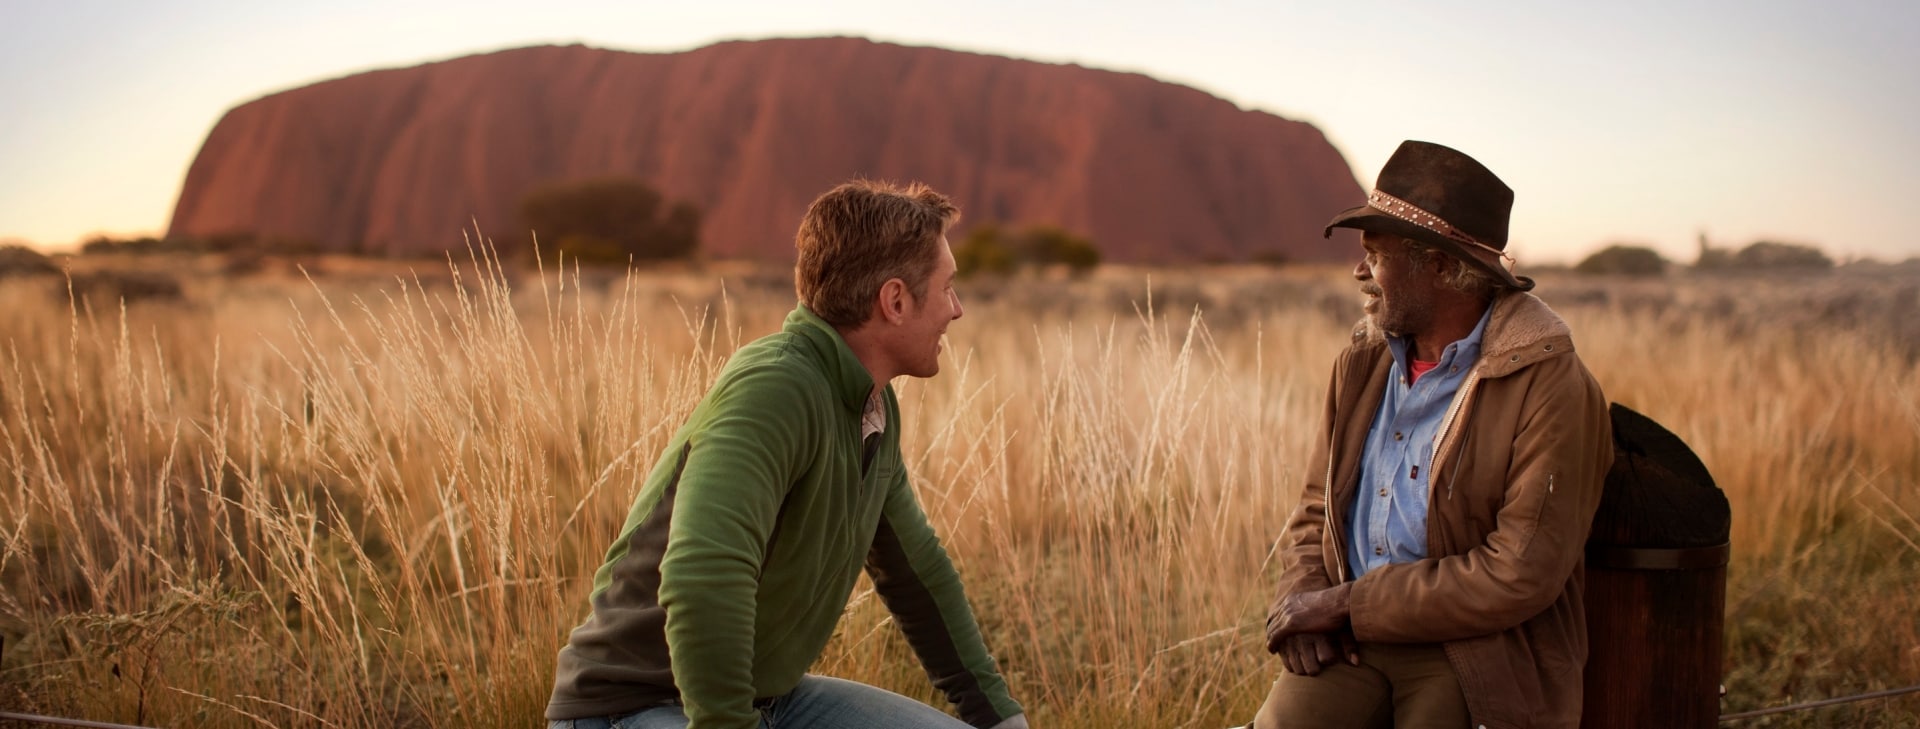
1466, 279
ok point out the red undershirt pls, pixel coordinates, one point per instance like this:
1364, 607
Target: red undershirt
1421, 368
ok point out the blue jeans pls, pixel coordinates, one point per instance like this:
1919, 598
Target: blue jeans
818, 702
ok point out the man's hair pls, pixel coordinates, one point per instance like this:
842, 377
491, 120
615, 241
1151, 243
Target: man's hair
857, 236
1465, 278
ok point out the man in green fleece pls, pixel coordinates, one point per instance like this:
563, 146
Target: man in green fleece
740, 552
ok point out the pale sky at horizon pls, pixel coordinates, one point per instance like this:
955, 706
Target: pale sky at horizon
1632, 121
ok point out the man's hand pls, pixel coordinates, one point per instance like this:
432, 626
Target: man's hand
1307, 653
1322, 611
1308, 629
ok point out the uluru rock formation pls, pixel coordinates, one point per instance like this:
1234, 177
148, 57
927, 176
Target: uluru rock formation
401, 161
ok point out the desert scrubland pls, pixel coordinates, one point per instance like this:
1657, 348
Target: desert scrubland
375, 496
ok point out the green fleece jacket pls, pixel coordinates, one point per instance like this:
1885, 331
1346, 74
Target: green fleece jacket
738, 556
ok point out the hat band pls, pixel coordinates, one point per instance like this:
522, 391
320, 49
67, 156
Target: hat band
1412, 213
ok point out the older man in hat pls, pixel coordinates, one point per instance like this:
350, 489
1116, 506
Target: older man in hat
1432, 570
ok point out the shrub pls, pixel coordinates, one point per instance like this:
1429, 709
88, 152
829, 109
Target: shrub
988, 248
611, 220
1773, 254
226, 242
1272, 258
244, 263
101, 244
984, 251
1627, 260
1763, 256
18, 260
1048, 245
111, 287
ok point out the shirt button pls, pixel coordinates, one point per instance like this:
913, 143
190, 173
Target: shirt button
1383, 492
1377, 552
1398, 436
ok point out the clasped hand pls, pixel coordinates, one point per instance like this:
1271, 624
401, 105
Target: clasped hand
1309, 630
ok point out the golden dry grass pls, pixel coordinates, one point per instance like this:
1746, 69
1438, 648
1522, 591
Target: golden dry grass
377, 500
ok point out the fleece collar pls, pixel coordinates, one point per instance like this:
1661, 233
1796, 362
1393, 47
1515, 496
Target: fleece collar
1521, 330
851, 380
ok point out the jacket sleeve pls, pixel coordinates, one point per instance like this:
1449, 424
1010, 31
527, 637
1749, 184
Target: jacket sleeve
1303, 559
744, 455
1560, 455
917, 582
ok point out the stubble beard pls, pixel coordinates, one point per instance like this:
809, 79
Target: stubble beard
1377, 321
1396, 320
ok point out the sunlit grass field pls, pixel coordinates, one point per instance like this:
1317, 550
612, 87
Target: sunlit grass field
375, 497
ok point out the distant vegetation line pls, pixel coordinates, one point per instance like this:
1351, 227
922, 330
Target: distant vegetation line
616, 221
1759, 256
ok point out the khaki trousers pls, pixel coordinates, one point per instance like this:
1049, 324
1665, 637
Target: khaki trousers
1396, 686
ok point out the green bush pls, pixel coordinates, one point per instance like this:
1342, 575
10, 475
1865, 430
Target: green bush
990, 249
984, 251
1763, 255
1273, 258
1047, 245
100, 244
108, 288
1626, 260
230, 242
1773, 254
611, 220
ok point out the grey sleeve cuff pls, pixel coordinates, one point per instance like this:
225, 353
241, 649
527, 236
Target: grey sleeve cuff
1017, 721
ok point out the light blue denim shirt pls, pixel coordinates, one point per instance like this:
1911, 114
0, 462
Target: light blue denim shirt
1389, 517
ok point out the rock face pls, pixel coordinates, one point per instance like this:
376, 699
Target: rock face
401, 161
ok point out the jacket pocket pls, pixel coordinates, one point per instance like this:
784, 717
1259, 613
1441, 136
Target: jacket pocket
1536, 513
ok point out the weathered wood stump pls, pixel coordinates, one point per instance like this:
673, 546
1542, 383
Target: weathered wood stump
1656, 585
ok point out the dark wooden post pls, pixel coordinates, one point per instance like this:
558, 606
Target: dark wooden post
1656, 585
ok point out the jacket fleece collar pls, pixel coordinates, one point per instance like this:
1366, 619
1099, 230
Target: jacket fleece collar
1522, 331
851, 380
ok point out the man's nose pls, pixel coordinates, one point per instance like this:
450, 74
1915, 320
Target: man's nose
1360, 270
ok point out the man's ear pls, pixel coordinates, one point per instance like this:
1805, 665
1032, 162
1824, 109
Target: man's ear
893, 301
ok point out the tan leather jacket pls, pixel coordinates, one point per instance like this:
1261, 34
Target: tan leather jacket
1517, 474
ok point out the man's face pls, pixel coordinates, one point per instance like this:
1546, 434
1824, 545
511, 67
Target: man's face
917, 348
1399, 295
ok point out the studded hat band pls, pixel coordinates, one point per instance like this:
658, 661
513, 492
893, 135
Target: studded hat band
1412, 213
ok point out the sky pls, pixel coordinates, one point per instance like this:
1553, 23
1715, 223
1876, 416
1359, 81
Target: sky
1628, 121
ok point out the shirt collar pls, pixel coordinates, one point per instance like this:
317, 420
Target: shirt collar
874, 420
1464, 351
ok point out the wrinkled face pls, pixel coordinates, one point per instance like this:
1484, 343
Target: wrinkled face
918, 344
1399, 295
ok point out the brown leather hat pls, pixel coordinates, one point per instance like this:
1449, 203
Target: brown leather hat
1443, 198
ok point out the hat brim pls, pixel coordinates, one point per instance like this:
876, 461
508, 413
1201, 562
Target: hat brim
1369, 218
